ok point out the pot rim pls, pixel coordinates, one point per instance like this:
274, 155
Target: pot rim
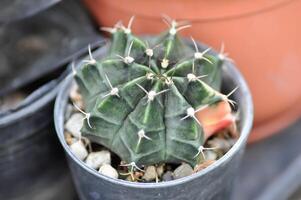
37, 102
245, 130
40, 99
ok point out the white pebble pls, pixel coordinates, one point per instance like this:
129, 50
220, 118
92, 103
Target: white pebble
68, 112
96, 159
74, 124
108, 170
182, 171
79, 150
210, 155
150, 173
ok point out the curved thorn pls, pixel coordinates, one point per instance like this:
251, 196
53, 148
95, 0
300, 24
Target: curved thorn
87, 115
206, 51
107, 29
201, 151
104, 96
183, 22
167, 18
233, 103
148, 138
183, 27
206, 59
197, 121
223, 55
166, 22
195, 45
142, 88
73, 68
200, 81
90, 53
138, 143
109, 82
162, 91
88, 121
125, 165
202, 108
149, 62
203, 155
138, 167
86, 61
132, 165
78, 108
131, 22
202, 76
234, 90
146, 44
210, 148
222, 48
130, 47
193, 67
119, 56
185, 117
118, 24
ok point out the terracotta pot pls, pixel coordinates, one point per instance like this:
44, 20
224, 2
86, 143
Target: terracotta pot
262, 36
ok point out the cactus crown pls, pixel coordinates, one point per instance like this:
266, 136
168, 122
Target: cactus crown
141, 99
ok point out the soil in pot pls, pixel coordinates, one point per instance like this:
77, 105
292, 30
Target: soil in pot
107, 163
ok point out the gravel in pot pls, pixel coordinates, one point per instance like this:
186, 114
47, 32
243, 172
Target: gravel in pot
202, 167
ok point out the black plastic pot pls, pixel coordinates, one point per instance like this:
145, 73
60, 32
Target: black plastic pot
12, 10
214, 182
31, 162
269, 167
287, 185
39, 45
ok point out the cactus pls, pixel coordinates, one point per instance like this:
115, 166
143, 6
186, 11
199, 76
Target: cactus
141, 100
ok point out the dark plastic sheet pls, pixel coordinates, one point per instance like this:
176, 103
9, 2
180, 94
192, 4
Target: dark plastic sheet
11, 10
266, 162
36, 46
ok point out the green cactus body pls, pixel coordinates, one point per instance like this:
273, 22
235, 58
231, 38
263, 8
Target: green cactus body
141, 101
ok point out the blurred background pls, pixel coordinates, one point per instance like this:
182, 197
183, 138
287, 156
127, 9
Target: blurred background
39, 38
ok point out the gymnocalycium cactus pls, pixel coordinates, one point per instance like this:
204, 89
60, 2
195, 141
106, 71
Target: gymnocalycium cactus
144, 100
